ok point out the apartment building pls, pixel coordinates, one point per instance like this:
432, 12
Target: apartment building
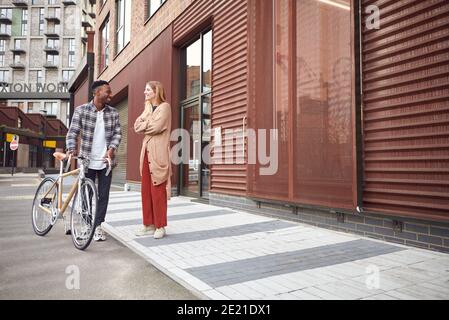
360, 113
41, 44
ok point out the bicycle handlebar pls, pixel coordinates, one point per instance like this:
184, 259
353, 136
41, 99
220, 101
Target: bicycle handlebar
109, 166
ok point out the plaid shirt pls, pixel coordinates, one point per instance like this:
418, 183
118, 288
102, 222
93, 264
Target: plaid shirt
83, 122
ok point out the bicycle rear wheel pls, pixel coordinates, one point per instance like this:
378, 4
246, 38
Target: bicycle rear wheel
83, 215
43, 220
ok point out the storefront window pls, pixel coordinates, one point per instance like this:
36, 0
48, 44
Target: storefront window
301, 82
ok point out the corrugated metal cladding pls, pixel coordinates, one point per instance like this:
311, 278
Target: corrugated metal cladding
119, 174
229, 79
406, 110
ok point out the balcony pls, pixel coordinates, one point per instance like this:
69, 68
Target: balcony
20, 3
52, 17
92, 2
68, 2
53, 50
18, 50
50, 65
5, 34
85, 23
5, 18
92, 15
52, 33
17, 65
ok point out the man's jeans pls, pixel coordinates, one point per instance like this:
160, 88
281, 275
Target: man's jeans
104, 186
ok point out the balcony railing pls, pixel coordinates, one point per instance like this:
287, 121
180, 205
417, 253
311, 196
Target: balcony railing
20, 3
69, 2
85, 23
50, 65
18, 50
52, 32
17, 65
5, 34
53, 17
6, 18
51, 49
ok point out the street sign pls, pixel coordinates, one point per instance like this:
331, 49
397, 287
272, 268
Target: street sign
14, 145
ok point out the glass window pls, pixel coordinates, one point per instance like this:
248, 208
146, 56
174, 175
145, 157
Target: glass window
6, 13
2, 45
30, 108
51, 108
19, 122
153, 6
53, 59
24, 22
16, 58
66, 75
39, 76
123, 23
4, 76
53, 43
71, 45
2, 59
71, 60
199, 66
193, 67
104, 50
41, 21
5, 28
207, 61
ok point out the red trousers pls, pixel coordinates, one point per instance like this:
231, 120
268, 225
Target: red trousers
154, 199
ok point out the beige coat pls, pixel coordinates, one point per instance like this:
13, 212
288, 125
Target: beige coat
157, 129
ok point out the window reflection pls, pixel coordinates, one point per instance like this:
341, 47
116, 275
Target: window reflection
207, 61
193, 69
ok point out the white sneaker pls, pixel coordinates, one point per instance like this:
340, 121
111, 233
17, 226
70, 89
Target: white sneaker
159, 233
99, 234
145, 231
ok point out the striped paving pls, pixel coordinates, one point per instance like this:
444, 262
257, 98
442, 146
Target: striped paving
225, 254
189, 216
229, 273
216, 233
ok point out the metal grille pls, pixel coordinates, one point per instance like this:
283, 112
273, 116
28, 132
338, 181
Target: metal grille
406, 111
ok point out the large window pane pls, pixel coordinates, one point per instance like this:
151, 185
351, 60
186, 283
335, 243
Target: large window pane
207, 61
323, 132
193, 69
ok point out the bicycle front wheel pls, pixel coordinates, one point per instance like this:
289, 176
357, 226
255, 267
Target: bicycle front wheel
83, 215
43, 211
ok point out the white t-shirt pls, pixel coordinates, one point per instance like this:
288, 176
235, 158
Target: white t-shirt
99, 144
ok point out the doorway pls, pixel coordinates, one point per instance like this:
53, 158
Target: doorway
196, 115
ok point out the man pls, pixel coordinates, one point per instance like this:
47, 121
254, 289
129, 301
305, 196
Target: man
98, 126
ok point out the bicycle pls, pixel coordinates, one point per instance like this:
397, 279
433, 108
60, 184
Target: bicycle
48, 204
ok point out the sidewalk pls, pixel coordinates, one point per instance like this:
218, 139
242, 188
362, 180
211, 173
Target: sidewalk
220, 253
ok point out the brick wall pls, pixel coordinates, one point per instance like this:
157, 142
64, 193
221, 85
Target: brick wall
143, 31
410, 232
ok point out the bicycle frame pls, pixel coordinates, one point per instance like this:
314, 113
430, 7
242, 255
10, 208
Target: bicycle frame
80, 173
62, 206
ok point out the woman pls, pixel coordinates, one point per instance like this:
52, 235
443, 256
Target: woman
155, 166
